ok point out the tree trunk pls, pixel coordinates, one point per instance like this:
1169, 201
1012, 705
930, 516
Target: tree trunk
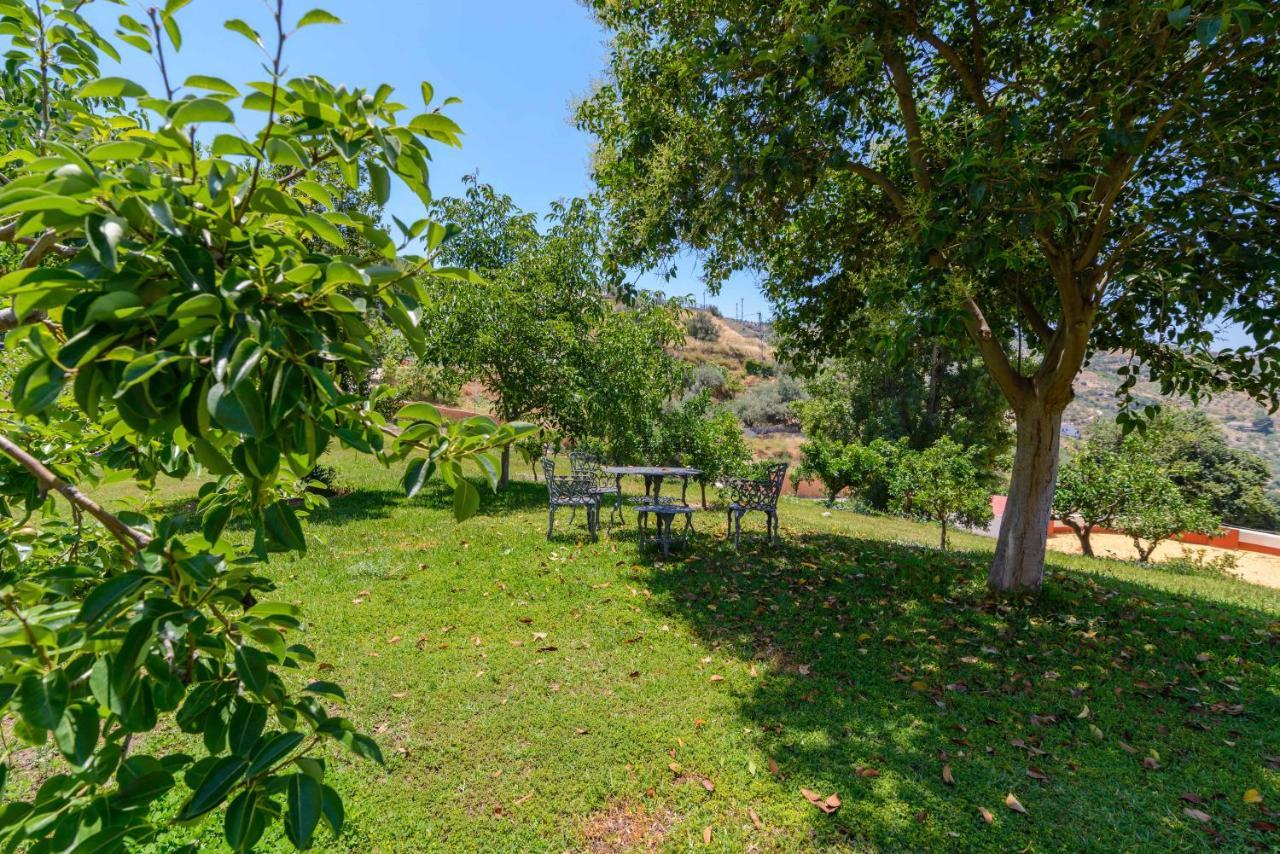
1086, 544
505, 477
1082, 532
1024, 528
944, 533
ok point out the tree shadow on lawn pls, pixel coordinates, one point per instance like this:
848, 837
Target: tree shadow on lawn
1106, 707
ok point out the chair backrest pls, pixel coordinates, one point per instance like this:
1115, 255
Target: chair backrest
565, 488
584, 464
761, 494
549, 471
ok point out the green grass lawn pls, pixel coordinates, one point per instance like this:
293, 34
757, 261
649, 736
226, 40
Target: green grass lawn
535, 696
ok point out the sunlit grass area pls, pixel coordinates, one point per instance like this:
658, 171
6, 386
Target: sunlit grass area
573, 695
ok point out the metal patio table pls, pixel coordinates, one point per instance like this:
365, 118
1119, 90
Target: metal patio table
653, 478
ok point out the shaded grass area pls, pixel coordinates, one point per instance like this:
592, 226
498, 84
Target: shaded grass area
550, 696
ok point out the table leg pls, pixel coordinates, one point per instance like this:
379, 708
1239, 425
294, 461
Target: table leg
657, 489
617, 502
684, 487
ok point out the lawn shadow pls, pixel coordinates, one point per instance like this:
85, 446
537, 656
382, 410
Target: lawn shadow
881, 664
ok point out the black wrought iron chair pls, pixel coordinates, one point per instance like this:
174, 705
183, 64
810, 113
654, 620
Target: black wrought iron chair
746, 495
569, 490
586, 465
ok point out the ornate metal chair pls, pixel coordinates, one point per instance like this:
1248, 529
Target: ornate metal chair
586, 465
570, 490
746, 495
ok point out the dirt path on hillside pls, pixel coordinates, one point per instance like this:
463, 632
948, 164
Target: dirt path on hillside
1251, 566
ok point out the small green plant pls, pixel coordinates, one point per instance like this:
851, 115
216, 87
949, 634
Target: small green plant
942, 483
701, 327
757, 368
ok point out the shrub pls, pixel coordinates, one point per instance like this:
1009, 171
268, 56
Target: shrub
760, 369
839, 465
700, 434
942, 483
713, 379
701, 327
769, 404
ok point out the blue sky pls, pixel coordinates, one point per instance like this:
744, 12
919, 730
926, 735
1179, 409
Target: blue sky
518, 66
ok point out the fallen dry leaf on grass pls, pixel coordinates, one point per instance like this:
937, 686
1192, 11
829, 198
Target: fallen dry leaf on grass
519, 801
400, 695
1014, 804
1036, 774
986, 815
828, 804
755, 819
773, 766
716, 677
708, 785
1252, 796
395, 639
1198, 815
706, 835
866, 772
946, 776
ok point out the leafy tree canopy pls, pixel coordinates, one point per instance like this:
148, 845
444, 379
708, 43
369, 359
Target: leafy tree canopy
1084, 176
544, 329
941, 483
184, 297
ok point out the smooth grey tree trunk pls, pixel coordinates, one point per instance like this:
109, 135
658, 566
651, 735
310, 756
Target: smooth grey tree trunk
1024, 528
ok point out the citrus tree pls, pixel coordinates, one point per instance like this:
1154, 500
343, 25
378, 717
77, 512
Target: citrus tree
180, 297
942, 483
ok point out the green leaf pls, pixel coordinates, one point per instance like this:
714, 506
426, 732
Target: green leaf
302, 814
201, 110
322, 228
380, 182
466, 500
416, 476
141, 790
282, 525
238, 26
244, 823
213, 789
200, 305
318, 16
111, 87
210, 84
420, 412
104, 235
326, 688
104, 599
171, 27
252, 668
43, 699
331, 808
247, 723
77, 733
272, 750
428, 92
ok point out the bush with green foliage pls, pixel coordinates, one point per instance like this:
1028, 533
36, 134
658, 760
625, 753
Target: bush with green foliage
769, 404
700, 327
698, 433
1097, 485
186, 298
756, 368
1157, 510
712, 379
942, 483
840, 465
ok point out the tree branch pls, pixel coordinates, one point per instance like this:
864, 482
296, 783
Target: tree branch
968, 78
1016, 387
1035, 320
904, 88
882, 181
9, 234
131, 537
